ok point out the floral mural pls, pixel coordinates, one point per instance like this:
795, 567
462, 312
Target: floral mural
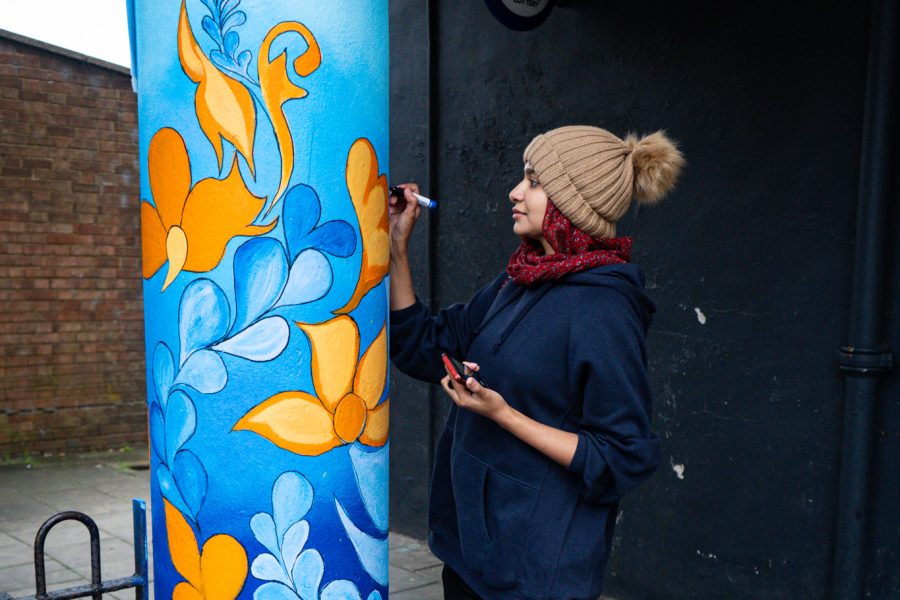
265, 259
291, 570
347, 407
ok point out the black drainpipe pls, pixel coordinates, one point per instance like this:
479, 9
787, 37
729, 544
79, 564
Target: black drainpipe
867, 356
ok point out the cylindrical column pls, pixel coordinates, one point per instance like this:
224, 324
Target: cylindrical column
264, 152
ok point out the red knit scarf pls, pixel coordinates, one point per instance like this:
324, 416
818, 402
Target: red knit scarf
574, 251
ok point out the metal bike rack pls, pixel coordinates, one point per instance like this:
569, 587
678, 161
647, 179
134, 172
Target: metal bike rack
97, 587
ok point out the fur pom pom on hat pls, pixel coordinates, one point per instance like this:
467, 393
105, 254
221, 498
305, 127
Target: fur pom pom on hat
592, 176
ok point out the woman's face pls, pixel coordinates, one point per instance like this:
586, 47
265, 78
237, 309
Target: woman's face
529, 205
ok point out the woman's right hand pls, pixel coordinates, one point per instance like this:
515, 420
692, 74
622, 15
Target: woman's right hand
403, 221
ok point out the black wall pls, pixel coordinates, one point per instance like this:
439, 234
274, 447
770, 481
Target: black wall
767, 101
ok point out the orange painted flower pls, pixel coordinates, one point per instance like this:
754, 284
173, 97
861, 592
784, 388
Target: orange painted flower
345, 408
369, 193
224, 106
188, 227
216, 573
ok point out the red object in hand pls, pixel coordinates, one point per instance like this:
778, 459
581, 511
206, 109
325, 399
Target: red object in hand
452, 369
457, 371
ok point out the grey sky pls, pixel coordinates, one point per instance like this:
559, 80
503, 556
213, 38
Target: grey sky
98, 28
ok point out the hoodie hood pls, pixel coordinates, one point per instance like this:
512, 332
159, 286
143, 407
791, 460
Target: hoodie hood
627, 278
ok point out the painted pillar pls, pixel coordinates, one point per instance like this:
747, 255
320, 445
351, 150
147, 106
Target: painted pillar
264, 151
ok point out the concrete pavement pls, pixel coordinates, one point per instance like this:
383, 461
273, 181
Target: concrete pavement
102, 486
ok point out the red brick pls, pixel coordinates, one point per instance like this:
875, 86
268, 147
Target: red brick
71, 332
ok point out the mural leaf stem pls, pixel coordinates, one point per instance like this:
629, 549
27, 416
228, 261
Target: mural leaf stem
278, 89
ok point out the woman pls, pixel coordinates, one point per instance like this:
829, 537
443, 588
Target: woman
529, 470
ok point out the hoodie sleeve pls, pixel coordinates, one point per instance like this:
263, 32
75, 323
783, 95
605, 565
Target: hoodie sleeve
617, 451
417, 338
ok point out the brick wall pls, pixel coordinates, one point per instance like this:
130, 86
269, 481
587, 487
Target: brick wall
71, 330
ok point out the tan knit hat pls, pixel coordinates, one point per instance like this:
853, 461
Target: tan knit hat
591, 175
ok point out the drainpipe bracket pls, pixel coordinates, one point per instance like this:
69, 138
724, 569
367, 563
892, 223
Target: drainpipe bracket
865, 361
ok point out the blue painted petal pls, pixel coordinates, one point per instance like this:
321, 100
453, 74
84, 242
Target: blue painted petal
263, 528
228, 6
309, 280
232, 39
372, 552
274, 591
375, 595
371, 470
163, 372
244, 59
202, 317
300, 214
341, 589
169, 490
267, 568
260, 272
292, 497
294, 540
260, 342
209, 26
158, 432
307, 574
222, 60
211, 5
191, 479
181, 422
333, 237
235, 19
204, 371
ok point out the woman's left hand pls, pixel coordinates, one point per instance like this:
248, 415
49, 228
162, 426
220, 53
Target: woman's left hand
473, 396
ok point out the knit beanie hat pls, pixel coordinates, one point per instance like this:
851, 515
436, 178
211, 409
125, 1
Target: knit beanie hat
591, 175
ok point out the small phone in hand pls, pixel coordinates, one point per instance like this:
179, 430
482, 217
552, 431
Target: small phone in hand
457, 370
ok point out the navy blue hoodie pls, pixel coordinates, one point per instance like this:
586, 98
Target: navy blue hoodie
569, 354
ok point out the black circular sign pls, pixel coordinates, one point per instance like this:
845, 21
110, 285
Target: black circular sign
521, 15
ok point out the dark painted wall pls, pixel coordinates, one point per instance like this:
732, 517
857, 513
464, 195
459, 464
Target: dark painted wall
412, 447
749, 261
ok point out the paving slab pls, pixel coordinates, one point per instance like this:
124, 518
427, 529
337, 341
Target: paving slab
20, 579
120, 523
77, 556
88, 501
14, 552
19, 507
432, 573
44, 477
401, 579
409, 553
433, 591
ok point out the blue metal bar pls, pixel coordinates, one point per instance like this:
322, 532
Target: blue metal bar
139, 511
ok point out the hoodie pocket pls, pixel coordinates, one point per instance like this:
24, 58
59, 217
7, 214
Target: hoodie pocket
494, 513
